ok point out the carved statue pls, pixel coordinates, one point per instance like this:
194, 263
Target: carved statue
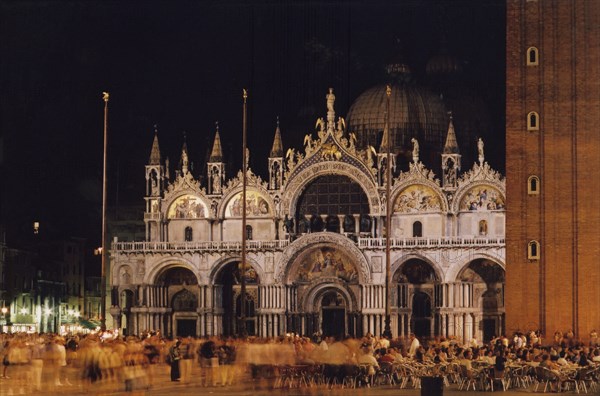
330, 100
184, 161
320, 125
415, 151
330, 152
288, 224
480, 150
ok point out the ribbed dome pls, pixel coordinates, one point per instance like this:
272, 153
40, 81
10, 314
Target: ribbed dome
414, 112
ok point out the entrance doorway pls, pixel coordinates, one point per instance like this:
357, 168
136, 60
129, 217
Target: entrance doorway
421, 314
333, 314
229, 282
489, 329
186, 328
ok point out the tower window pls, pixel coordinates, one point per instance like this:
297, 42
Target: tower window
533, 185
188, 234
533, 121
248, 232
533, 250
532, 56
417, 229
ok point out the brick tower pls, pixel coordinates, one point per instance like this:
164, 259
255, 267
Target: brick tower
553, 166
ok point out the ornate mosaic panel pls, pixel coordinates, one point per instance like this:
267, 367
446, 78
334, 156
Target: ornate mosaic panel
329, 262
482, 198
417, 198
256, 205
187, 207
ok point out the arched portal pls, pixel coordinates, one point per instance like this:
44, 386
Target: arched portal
175, 288
415, 282
333, 314
229, 299
421, 314
485, 280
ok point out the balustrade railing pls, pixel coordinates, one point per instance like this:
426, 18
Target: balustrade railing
408, 243
362, 243
195, 246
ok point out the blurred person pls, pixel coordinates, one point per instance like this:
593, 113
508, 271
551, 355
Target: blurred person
414, 345
209, 362
174, 358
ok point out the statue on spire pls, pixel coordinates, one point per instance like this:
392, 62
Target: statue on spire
415, 151
330, 111
480, 151
330, 100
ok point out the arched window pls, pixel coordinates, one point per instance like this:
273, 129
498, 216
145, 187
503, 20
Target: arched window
248, 232
533, 121
533, 185
532, 56
188, 234
533, 250
417, 229
483, 227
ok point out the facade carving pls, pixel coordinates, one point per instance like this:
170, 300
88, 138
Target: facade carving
316, 243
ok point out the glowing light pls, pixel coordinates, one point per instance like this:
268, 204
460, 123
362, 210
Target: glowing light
23, 311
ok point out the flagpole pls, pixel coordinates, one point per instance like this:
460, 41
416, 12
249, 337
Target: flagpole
105, 97
387, 332
242, 331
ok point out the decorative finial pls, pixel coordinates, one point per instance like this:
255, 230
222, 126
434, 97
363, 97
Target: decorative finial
155, 129
217, 125
105, 96
388, 90
245, 94
450, 115
277, 121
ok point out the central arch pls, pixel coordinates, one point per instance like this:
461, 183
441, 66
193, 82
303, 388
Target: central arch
229, 299
182, 296
329, 306
415, 281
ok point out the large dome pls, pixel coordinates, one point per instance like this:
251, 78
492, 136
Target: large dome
414, 112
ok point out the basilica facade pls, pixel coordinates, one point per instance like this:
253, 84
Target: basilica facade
316, 243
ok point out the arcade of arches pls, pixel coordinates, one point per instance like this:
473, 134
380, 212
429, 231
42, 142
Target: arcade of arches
322, 295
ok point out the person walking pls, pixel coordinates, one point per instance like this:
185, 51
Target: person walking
174, 358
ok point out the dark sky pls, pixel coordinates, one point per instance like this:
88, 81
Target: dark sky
182, 66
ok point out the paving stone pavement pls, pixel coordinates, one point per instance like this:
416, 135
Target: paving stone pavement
161, 385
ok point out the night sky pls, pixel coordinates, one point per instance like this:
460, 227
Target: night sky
182, 66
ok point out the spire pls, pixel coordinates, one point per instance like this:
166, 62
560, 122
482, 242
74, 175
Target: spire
155, 153
216, 154
451, 146
277, 149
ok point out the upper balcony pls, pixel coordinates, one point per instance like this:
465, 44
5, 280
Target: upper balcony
274, 245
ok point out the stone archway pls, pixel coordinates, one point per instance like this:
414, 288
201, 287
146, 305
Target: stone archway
484, 280
333, 313
414, 285
228, 298
177, 292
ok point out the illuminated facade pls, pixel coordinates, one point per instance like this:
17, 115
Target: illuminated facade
316, 244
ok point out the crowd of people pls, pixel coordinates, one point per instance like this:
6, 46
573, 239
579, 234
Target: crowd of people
35, 362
